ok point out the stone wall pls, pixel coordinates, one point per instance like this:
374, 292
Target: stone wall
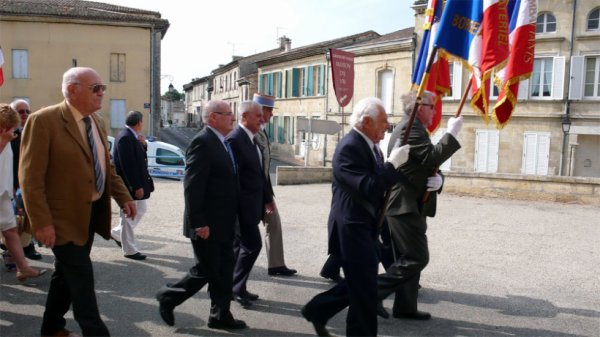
510, 186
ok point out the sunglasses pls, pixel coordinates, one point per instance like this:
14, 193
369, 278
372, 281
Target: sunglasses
96, 87
24, 111
223, 113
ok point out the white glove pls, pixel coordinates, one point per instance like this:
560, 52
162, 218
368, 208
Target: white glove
398, 155
454, 125
434, 183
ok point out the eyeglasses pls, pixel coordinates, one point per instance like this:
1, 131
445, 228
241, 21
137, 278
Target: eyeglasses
223, 113
96, 87
24, 111
429, 105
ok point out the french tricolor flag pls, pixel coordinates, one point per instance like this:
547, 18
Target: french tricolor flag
489, 52
520, 61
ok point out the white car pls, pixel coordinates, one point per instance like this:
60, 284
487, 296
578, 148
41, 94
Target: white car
164, 160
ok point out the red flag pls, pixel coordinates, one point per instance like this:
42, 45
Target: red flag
1, 63
491, 52
520, 61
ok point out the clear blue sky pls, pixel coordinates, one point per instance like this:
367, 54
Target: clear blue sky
204, 34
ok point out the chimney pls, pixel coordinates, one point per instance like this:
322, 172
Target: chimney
285, 43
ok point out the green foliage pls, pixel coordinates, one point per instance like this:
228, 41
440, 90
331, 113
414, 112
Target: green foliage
173, 95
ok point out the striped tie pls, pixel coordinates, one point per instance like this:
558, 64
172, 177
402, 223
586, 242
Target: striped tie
230, 152
97, 168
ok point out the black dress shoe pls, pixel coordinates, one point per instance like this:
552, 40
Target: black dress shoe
381, 312
283, 271
233, 324
137, 256
117, 242
419, 315
166, 313
320, 328
242, 300
337, 278
31, 253
250, 296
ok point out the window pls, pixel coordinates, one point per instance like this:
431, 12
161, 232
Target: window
536, 152
486, 150
541, 80
117, 113
593, 22
306, 81
386, 89
117, 67
167, 157
546, 23
20, 63
591, 85
270, 84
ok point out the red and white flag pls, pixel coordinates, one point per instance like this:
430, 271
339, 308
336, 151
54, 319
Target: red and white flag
1, 63
520, 61
489, 52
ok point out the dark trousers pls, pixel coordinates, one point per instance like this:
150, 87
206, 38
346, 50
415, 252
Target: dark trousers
246, 248
409, 244
214, 265
358, 292
332, 266
72, 283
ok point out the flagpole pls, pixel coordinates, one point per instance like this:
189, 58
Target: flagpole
463, 99
409, 125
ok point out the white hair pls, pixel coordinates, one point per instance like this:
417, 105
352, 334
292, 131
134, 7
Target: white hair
71, 76
248, 106
409, 99
366, 107
18, 101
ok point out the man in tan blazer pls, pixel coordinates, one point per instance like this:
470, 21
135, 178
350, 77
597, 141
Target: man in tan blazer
67, 182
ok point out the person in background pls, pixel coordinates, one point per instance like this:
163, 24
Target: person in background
131, 162
255, 198
408, 210
67, 182
211, 194
9, 121
272, 221
360, 180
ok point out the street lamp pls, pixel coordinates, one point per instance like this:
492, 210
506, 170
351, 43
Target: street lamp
566, 126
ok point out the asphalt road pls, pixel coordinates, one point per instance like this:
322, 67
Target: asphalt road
498, 268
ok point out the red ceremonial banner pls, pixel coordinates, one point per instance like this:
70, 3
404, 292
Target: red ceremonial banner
342, 70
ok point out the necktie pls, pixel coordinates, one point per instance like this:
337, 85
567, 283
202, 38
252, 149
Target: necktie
259, 150
97, 168
230, 153
378, 156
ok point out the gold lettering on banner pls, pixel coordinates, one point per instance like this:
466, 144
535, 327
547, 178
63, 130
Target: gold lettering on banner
466, 24
503, 23
530, 52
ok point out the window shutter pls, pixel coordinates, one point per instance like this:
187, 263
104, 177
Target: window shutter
270, 85
288, 83
295, 82
457, 80
494, 144
529, 144
543, 153
322, 80
279, 83
260, 84
310, 84
117, 113
576, 72
523, 90
481, 140
558, 73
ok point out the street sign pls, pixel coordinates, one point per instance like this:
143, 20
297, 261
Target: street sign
146, 105
318, 126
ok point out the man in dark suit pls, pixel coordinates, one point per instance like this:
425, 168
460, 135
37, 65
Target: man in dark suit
131, 162
255, 200
211, 195
407, 212
272, 220
360, 179
67, 181
22, 107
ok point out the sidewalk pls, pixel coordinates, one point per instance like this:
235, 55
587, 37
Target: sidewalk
498, 268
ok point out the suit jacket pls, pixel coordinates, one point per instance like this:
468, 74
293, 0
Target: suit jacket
253, 188
424, 159
131, 162
263, 141
210, 188
352, 227
15, 144
56, 172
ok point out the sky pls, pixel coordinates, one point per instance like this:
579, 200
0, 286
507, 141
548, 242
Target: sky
204, 34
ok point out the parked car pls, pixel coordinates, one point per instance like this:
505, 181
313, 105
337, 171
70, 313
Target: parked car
164, 160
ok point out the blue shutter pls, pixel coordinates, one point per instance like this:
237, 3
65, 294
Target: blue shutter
260, 84
322, 80
270, 85
295, 82
311, 82
279, 83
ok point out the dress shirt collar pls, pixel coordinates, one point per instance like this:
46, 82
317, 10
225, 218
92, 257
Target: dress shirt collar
133, 131
248, 132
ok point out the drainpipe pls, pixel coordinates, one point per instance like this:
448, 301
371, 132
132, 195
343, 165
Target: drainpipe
326, 85
567, 109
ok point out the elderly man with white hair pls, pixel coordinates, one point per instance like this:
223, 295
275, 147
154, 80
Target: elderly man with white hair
360, 179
